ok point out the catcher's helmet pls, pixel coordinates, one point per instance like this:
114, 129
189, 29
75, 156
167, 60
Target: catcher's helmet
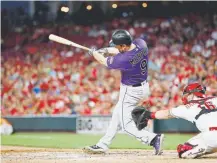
121, 37
194, 88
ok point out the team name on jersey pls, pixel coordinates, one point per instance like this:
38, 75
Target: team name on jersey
138, 57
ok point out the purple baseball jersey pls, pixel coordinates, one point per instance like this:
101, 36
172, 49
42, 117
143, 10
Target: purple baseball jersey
132, 64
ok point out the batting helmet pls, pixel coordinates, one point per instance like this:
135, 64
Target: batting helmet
121, 37
194, 88
111, 44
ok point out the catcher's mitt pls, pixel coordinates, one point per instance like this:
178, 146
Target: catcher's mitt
140, 116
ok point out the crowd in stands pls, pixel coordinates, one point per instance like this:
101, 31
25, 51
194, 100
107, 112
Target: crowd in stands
40, 77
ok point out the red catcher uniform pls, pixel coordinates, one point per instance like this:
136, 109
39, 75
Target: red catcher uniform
201, 111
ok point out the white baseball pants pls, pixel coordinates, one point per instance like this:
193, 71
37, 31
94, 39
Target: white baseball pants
128, 99
205, 143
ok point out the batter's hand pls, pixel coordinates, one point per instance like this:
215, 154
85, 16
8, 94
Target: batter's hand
90, 52
103, 51
109, 51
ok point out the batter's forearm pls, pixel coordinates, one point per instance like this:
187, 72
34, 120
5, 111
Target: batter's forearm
109, 51
113, 51
100, 58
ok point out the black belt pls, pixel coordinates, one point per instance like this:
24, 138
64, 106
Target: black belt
137, 85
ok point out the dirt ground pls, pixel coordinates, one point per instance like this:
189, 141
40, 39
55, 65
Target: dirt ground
11, 154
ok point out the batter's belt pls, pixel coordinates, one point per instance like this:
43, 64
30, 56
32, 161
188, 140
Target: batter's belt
139, 84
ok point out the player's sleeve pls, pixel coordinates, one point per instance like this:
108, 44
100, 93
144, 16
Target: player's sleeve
214, 102
118, 62
180, 112
140, 42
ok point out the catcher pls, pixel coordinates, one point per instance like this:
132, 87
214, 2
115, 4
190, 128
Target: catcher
198, 109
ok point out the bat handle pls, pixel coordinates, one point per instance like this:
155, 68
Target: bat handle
82, 47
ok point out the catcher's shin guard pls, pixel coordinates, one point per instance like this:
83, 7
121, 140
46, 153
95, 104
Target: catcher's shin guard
190, 151
182, 148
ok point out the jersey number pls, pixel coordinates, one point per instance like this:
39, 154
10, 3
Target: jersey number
143, 66
207, 105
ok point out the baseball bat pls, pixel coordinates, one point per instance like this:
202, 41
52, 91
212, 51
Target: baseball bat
62, 40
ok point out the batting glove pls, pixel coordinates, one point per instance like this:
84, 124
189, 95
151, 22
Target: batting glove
90, 52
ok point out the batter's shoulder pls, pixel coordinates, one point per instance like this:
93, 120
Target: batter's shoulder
140, 42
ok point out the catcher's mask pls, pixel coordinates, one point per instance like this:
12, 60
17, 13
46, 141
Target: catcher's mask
194, 88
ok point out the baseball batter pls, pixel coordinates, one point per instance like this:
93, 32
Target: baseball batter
132, 60
198, 109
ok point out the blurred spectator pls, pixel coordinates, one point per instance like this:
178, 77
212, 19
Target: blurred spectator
5, 127
41, 77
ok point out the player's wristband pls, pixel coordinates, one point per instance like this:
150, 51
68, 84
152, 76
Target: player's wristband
152, 115
90, 52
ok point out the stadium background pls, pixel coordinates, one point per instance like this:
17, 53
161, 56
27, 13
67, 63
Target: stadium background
45, 86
